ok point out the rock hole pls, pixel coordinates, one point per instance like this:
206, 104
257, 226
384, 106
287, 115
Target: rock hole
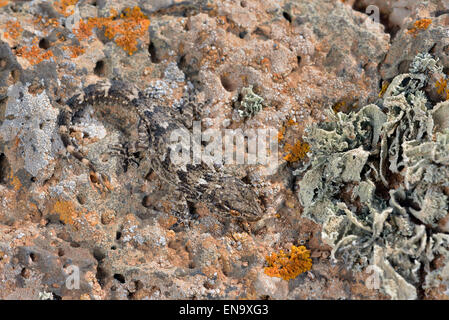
153, 53
98, 254
433, 50
5, 169
246, 179
243, 4
44, 44
100, 68
287, 16
93, 178
101, 276
25, 273
182, 63
81, 199
138, 284
118, 235
298, 61
119, 277
146, 201
228, 84
33, 257
61, 252
192, 210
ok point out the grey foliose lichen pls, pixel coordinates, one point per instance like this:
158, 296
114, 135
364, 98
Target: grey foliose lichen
251, 103
378, 182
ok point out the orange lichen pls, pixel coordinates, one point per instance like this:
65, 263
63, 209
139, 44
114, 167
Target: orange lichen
441, 86
75, 51
125, 30
66, 211
281, 134
385, 85
134, 25
84, 30
296, 152
288, 265
13, 29
265, 63
16, 183
46, 22
3, 3
339, 106
64, 7
34, 54
422, 24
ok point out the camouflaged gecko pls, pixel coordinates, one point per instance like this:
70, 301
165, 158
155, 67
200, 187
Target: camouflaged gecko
147, 127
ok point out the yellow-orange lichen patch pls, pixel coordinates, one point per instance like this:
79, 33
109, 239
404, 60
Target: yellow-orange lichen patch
33, 54
384, 88
84, 30
125, 29
75, 51
66, 211
441, 86
339, 106
65, 7
296, 152
281, 134
16, 183
13, 30
13, 180
42, 22
3, 3
289, 265
421, 24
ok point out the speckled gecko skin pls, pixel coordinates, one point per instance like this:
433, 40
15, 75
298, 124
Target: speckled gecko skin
147, 127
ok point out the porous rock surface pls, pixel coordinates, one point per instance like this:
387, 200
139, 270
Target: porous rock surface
301, 57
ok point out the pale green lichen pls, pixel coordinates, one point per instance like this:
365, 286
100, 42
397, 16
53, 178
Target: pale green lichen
376, 182
251, 103
424, 63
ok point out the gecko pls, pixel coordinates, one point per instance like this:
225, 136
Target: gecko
147, 126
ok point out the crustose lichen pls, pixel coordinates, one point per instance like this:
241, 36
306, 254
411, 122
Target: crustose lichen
289, 265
